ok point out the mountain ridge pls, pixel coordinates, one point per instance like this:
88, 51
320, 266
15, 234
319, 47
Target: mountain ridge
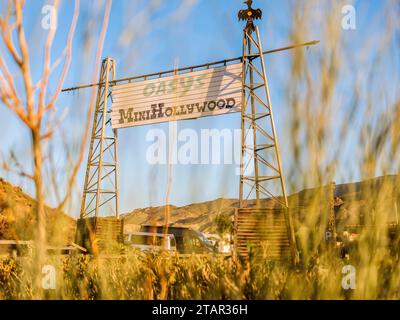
17, 217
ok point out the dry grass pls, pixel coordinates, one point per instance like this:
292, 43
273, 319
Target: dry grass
138, 276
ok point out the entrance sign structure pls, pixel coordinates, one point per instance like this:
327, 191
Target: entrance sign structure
233, 85
190, 95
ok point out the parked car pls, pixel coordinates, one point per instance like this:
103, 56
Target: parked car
187, 240
150, 241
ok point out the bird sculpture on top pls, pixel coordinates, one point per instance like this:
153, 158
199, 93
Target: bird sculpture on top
249, 15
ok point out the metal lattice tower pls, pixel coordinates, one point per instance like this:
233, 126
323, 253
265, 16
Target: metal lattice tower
258, 121
100, 193
261, 150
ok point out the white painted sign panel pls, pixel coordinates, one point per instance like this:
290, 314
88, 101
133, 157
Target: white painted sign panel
191, 95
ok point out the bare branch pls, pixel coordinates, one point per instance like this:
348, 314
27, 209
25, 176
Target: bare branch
18, 167
11, 100
10, 81
6, 29
46, 67
25, 64
68, 56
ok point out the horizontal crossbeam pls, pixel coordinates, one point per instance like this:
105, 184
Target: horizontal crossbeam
189, 69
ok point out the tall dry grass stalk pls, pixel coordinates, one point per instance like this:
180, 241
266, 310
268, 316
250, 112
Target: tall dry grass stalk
32, 113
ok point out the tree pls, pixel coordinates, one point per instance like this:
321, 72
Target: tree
32, 104
224, 223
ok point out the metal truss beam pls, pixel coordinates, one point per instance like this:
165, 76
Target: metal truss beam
265, 180
100, 193
189, 69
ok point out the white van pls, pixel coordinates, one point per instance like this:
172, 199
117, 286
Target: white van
150, 241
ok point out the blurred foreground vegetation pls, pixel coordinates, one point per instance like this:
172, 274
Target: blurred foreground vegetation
139, 276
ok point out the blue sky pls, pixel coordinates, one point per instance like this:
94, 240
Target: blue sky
144, 40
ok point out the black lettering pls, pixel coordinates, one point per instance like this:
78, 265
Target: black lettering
201, 108
230, 103
157, 111
175, 108
125, 116
221, 104
212, 105
153, 111
142, 115
190, 107
183, 111
168, 111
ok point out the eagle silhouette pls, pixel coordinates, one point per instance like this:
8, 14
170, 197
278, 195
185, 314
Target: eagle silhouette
249, 15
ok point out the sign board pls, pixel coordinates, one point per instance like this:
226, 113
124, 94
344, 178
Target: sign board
190, 95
